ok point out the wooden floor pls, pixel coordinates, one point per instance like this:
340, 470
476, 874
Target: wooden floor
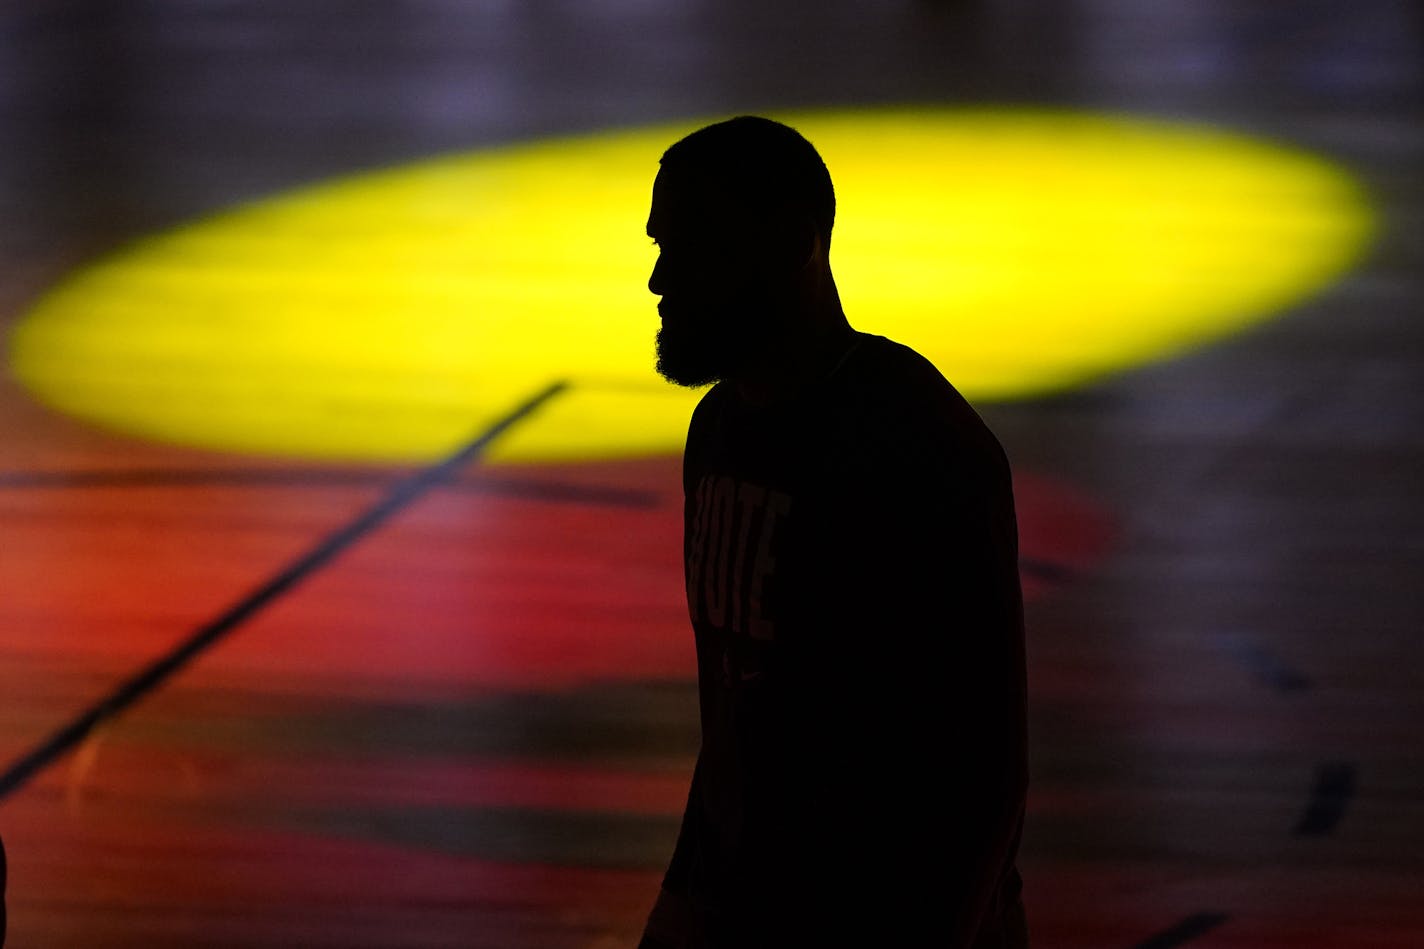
475, 727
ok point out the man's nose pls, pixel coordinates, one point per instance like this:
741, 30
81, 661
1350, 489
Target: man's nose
655, 279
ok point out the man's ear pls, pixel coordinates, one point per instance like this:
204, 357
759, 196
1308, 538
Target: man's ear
815, 247
790, 243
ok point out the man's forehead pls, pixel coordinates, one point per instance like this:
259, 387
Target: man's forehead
683, 199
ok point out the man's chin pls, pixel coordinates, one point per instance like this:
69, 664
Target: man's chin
687, 376
684, 366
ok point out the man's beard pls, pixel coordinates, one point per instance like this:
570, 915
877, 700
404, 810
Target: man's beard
698, 350
687, 360
718, 339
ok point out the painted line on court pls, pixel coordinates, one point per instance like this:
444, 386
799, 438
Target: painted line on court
1045, 570
278, 477
156, 673
1188, 929
1334, 787
1267, 668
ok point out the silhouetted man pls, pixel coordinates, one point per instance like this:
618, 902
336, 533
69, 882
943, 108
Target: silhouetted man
851, 566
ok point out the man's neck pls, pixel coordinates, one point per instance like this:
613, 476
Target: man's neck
799, 362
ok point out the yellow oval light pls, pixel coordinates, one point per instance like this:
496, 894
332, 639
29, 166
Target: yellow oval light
389, 315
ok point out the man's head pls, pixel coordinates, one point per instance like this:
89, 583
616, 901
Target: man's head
742, 213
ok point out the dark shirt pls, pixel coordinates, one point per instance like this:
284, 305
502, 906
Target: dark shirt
852, 579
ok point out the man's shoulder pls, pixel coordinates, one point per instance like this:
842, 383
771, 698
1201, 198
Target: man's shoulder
711, 401
908, 382
911, 411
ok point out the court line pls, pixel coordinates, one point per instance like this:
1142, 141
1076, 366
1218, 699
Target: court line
556, 491
297, 477
156, 673
1046, 570
1264, 665
1334, 787
1188, 929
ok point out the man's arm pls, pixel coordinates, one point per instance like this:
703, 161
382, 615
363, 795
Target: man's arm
926, 599
963, 655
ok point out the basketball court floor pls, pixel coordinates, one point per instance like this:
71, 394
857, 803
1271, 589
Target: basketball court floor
327, 353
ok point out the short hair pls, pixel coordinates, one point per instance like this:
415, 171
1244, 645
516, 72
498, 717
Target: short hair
764, 162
